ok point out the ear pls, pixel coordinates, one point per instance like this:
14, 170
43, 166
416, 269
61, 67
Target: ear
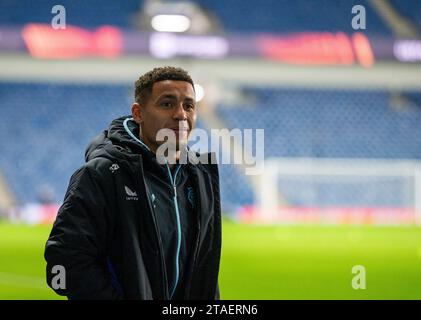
137, 113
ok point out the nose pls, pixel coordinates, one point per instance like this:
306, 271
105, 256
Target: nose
179, 113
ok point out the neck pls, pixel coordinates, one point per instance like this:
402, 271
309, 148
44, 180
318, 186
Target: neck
153, 147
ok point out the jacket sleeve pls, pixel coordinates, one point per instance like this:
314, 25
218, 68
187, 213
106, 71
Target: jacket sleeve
78, 240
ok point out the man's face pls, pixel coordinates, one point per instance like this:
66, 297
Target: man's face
171, 105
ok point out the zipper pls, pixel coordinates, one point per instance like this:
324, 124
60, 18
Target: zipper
196, 249
158, 237
157, 232
173, 181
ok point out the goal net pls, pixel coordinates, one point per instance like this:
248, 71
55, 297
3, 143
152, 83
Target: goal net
337, 191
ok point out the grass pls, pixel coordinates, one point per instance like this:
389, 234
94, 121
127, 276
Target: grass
315, 262
261, 262
22, 265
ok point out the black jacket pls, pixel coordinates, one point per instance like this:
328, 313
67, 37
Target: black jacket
109, 238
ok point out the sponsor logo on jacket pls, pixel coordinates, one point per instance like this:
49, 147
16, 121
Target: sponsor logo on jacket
131, 195
114, 167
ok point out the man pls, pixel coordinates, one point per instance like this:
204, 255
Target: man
135, 227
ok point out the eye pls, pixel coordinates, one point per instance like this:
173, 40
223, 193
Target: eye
166, 104
189, 106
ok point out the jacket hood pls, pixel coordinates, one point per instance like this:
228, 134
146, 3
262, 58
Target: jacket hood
121, 139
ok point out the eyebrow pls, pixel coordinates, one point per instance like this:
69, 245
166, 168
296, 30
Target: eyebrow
168, 96
172, 96
189, 99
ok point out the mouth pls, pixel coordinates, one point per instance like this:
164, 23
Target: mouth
181, 134
180, 129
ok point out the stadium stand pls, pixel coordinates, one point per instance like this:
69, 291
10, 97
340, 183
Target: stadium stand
272, 16
268, 16
82, 13
50, 125
57, 121
410, 9
332, 123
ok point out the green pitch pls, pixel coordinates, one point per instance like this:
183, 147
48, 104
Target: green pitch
261, 262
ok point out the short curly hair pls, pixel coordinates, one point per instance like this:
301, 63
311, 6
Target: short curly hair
143, 86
